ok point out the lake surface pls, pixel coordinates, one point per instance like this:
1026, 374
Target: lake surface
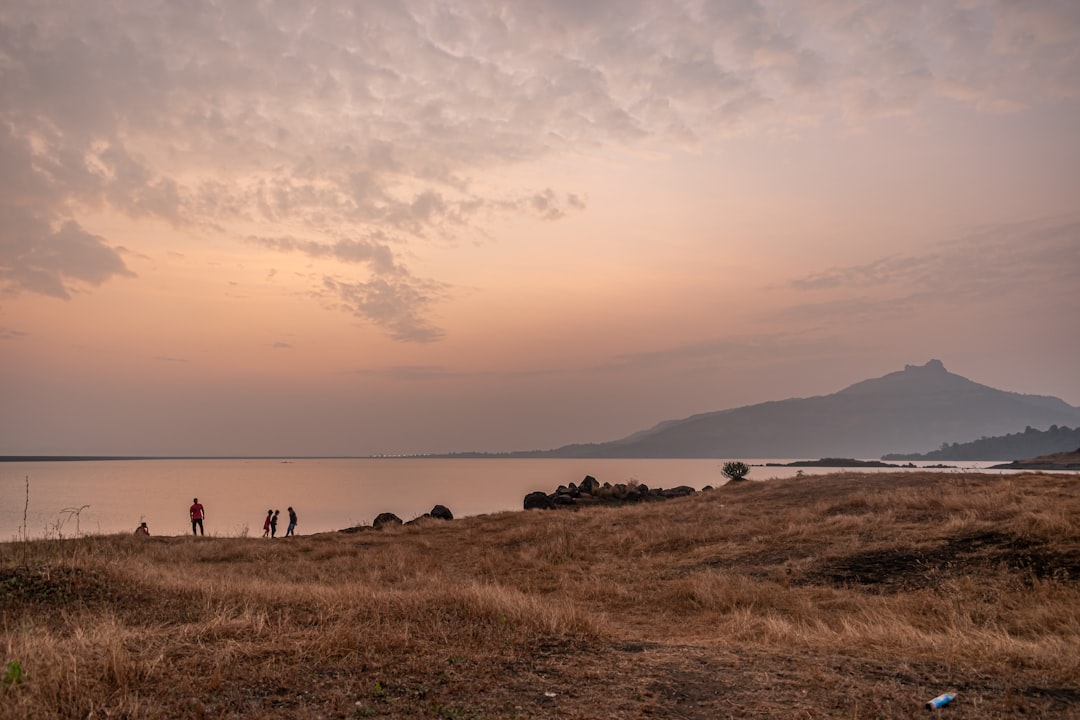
109, 496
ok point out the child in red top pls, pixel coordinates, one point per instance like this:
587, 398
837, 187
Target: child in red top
266, 523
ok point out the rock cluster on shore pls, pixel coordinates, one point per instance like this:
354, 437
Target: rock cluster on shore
590, 492
389, 519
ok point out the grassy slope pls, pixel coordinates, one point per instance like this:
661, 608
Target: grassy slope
847, 595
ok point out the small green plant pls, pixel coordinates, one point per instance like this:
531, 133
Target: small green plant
13, 673
735, 470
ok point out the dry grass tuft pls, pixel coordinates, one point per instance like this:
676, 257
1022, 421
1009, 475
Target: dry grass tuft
845, 595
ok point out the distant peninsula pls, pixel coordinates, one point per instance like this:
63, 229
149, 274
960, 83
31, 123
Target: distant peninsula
1056, 461
1027, 444
843, 463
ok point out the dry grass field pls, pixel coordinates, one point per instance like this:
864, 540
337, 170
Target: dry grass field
838, 596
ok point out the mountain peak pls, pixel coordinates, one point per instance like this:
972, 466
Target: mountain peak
932, 365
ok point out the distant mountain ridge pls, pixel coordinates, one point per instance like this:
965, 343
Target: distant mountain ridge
918, 408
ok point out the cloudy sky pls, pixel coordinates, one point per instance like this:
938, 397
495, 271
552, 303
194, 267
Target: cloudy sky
397, 226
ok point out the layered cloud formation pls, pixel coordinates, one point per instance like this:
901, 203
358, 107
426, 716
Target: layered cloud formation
366, 128
574, 217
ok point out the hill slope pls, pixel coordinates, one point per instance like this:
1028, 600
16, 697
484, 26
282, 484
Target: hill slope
920, 407
842, 596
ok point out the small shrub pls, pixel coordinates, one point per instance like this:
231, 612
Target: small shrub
735, 470
13, 673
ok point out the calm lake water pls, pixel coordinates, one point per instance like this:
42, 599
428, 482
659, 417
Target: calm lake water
96, 497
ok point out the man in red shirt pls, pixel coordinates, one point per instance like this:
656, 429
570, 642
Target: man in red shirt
197, 513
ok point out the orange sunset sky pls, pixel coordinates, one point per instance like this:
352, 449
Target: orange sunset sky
351, 228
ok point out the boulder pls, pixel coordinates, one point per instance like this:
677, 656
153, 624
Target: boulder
563, 499
383, 519
441, 512
679, 491
538, 501
589, 485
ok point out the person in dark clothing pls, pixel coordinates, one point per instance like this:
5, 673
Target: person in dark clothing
273, 523
292, 522
142, 529
197, 512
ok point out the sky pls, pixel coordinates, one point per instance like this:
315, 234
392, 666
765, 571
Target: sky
402, 226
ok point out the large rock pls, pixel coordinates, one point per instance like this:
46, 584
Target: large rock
441, 512
589, 485
538, 501
385, 519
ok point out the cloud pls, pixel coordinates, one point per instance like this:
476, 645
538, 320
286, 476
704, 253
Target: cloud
395, 303
390, 298
9, 334
36, 258
893, 269
375, 120
1038, 261
377, 255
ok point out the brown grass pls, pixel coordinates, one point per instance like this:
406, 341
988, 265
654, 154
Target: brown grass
839, 596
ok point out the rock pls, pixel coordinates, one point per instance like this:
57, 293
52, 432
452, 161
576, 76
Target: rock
563, 499
441, 512
679, 491
538, 501
589, 485
383, 519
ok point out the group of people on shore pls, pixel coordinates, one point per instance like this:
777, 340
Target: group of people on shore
197, 512
270, 524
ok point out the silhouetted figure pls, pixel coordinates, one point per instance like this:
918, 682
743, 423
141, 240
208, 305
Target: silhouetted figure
197, 513
266, 523
142, 529
273, 523
292, 522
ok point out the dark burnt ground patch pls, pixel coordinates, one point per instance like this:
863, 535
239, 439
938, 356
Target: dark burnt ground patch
59, 592
51, 587
897, 569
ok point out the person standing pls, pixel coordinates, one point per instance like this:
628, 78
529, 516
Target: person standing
266, 523
273, 523
197, 512
292, 522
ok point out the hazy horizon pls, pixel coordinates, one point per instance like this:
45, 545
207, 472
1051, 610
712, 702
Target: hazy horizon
331, 229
